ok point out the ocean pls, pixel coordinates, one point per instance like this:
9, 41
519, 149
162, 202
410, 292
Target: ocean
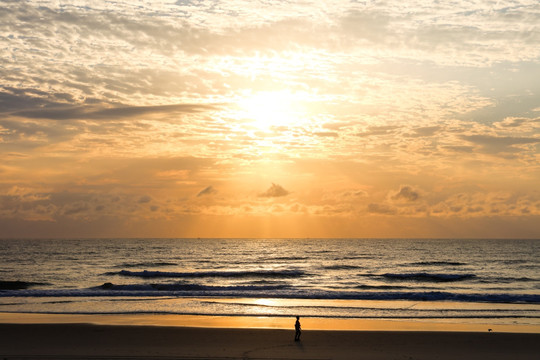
443, 279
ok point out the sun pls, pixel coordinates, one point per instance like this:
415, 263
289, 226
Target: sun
266, 110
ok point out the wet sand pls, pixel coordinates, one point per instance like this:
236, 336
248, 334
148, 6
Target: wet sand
86, 341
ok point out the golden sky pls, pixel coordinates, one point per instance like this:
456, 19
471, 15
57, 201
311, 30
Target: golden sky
270, 118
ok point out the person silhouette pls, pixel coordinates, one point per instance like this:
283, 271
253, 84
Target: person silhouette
298, 329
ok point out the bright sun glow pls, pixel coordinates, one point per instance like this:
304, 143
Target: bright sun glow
269, 109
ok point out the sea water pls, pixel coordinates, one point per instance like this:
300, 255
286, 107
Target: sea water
445, 279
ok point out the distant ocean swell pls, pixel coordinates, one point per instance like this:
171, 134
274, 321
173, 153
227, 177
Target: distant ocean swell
427, 277
295, 273
201, 274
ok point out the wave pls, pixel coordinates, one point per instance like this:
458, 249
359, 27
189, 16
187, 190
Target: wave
214, 274
512, 261
188, 287
18, 285
341, 267
427, 277
145, 264
510, 280
438, 263
270, 291
320, 316
284, 258
354, 257
380, 287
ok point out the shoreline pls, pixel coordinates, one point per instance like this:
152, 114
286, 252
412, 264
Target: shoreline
85, 341
269, 322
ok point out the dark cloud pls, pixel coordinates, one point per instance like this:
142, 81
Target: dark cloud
384, 209
93, 113
15, 99
275, 191
458, 148
75, 209
475, 209
511, 123
55, 206
144, 199
36, 104
497, 144
209, 190
406, 193
425, 131
354, 194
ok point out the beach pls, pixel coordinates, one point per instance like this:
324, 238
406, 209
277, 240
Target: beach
88, 341
42, 336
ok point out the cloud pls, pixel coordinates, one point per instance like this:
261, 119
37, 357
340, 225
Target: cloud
498, 144
75, 209
383, 209
209, 190
144, 199
406, 193
366, 24
14, 99
459, 148
274, 191
326, 134
519, 124
425, 131
35, 133
93, 113
344, 196
379, 131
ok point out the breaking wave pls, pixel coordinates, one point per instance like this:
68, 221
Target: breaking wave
188, 287
341, 267
438, 263
269, 291
214, 274
18, 285
145, 264
428, 277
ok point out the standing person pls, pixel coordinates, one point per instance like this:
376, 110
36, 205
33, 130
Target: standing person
298, 329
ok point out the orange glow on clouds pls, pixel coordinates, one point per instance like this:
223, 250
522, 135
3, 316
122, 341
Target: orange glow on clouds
229, 119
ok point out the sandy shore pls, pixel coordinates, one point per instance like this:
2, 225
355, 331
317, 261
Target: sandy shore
84, 341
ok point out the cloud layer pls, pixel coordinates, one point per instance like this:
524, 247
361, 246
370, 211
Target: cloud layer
380, 118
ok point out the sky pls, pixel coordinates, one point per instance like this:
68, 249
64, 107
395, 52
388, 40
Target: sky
270, 118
